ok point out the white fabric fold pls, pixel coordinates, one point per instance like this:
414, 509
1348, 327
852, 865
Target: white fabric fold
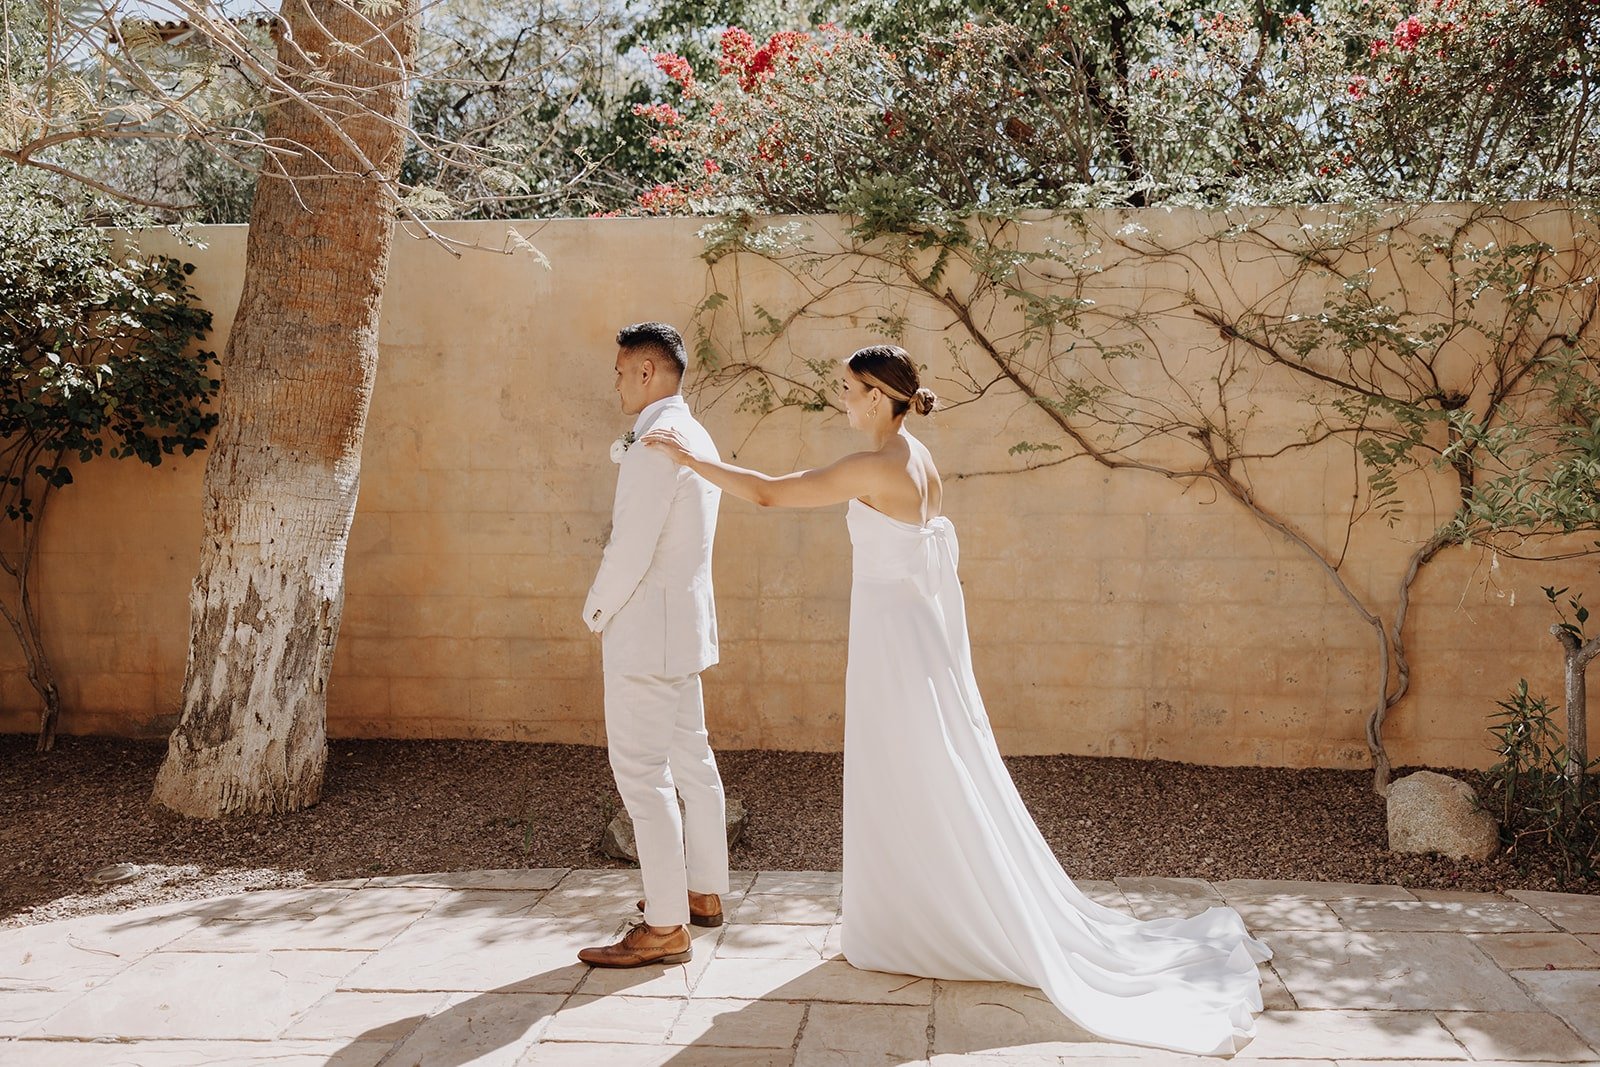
945, 873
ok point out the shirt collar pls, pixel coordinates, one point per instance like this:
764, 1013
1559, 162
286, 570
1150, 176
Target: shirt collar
652, 411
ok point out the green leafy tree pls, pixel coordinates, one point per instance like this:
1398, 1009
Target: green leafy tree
98, 356
1542, 488
1463, 100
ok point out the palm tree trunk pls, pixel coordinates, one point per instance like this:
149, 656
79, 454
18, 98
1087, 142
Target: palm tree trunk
283, 470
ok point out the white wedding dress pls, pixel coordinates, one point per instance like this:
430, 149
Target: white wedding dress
945, 874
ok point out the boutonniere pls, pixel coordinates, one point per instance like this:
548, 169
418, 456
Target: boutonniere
620, 446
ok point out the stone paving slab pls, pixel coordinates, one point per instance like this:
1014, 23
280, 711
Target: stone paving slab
818, 909
196, 1054
1389, 1035
774, 941
1236, 889
594, 1054
535, 878
847, 1035
765, 1024
1482, 913
79, 954
277, 904
1572, 996
23, 1009
1512, 952
1384, 970
807, 882
1572, 912
484, 1029
1160, 898
1517, 1035
834, 981
366, 920
1287, 913
479, 968
217, 995
1105, 893
998, 1017
347, 1015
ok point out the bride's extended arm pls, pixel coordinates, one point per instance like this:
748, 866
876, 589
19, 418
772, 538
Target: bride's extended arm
855, 475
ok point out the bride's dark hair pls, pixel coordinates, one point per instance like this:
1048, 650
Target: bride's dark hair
889, 369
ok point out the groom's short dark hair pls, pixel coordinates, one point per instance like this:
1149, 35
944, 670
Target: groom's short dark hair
657, 337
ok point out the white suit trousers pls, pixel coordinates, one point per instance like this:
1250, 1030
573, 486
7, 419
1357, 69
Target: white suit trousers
656, 737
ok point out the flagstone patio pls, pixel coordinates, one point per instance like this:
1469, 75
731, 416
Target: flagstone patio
479, 968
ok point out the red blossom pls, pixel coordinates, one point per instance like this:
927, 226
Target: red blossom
712, 166
665, 114
737, 47
675, 67
780, 46
663, 198
1408, 33
741, 56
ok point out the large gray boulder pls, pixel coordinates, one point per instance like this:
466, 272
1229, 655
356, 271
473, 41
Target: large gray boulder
617, 840
1431, 812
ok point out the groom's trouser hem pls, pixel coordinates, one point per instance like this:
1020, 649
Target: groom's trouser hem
659, 749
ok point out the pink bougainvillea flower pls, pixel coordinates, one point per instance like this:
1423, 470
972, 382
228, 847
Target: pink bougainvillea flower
665, 114
736, 47
675, 67
662, 198
1408, 33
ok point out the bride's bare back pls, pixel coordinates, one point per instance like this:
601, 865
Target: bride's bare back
912, 491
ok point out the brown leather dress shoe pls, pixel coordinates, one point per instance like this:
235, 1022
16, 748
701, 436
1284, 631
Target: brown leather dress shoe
705, 909
641, 946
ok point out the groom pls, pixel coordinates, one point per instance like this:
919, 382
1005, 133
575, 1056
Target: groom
651, 603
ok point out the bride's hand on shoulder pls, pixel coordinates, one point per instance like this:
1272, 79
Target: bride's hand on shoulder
670, 443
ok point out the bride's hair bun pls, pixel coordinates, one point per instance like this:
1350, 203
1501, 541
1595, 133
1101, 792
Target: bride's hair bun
892, 371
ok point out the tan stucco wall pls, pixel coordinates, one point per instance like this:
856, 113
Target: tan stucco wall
1112, 614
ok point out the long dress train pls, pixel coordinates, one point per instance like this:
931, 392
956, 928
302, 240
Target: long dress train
946, 875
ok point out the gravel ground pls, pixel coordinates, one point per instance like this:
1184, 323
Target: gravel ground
393, 807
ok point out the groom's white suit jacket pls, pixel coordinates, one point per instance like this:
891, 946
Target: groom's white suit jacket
651, 600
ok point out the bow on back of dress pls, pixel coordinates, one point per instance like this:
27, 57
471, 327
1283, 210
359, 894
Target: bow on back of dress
938, 579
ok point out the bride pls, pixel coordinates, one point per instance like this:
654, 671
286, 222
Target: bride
945, 874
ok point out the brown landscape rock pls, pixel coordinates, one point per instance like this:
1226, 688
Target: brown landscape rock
1430, 812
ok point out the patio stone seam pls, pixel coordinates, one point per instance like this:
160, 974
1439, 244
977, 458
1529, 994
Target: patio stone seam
1286, 990
800, 1034
444, 1005
1528, 991
1466, 1053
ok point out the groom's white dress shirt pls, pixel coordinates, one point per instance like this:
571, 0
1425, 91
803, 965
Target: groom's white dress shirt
652, 598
